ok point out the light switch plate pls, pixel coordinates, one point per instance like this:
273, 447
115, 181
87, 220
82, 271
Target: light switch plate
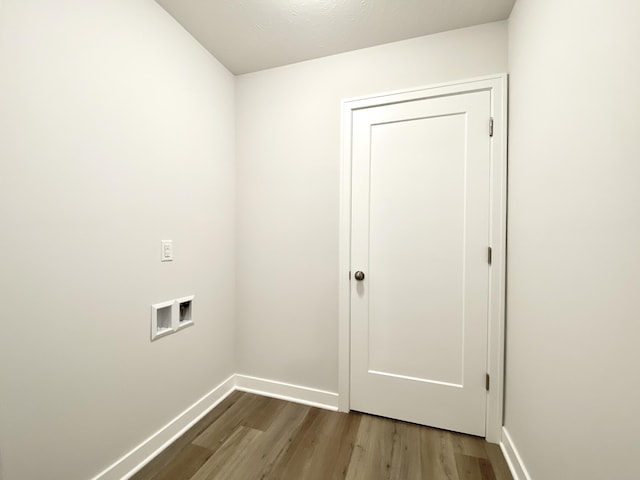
166, 250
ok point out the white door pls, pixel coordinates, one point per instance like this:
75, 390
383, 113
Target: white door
420, 237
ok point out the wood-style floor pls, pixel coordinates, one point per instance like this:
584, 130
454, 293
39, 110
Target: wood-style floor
250, 437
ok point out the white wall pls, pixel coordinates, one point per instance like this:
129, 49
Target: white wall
288, 153
116, 131
572, 384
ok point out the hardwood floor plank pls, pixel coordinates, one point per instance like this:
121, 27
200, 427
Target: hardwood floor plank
342, 447
371, 458
219, 430
229, 456
172, 451
185, 464
321, 450
262, 455
468, 467
299, 453
468, 445
499, 464
265, 411
437, 459
486, 469
405, 452
250, 437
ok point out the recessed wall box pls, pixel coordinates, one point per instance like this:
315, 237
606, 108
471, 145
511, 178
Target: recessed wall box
185, 311
162, 319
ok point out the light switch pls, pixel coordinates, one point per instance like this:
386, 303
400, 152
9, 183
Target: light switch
166, 252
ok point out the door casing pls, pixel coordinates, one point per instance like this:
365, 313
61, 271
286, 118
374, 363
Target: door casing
497, 86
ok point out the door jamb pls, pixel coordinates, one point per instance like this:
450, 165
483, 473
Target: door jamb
497, 86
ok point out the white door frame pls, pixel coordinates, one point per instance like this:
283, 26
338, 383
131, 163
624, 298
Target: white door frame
497, 86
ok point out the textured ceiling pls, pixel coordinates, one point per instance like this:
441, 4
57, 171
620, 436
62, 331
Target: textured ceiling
251, 35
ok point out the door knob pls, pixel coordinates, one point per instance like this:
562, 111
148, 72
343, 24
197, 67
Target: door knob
359, 276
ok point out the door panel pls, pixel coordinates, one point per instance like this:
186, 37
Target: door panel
420, 228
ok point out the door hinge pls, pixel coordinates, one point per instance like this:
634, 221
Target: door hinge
491, 127
489, 255
487, 382
349, 274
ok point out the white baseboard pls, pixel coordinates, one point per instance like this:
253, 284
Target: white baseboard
286, 391
512, 457
137, 458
